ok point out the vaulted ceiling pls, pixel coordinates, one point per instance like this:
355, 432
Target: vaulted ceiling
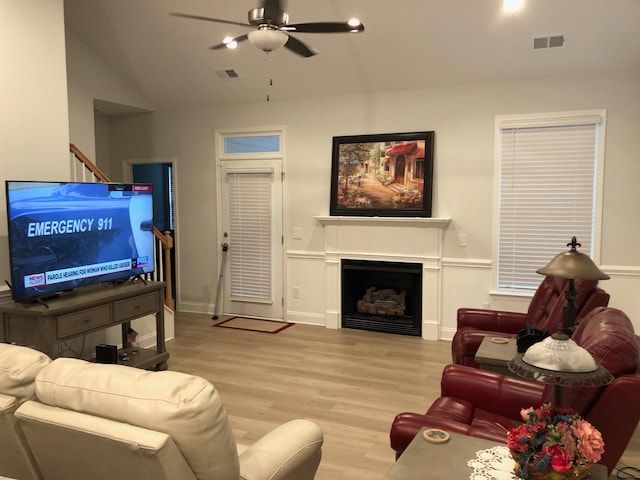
406, 45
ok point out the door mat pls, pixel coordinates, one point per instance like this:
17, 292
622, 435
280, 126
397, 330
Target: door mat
254, 324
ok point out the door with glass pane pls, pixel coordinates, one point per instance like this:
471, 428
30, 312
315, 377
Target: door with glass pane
252, 227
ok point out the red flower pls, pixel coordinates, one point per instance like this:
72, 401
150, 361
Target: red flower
517, 438
560, 460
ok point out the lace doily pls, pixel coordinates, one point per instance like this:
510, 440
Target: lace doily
492, 464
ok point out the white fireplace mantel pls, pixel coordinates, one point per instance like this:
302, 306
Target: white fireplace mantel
427, 222
394, 239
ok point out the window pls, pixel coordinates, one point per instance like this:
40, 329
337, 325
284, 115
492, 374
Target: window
252, 144
549, 169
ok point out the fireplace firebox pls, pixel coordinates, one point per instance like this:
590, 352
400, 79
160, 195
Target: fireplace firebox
382, 296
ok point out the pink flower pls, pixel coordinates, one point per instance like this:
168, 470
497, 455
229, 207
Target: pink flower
590, 443
560, 461
524, 413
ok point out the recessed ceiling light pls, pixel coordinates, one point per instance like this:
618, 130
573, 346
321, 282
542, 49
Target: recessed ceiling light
512, 6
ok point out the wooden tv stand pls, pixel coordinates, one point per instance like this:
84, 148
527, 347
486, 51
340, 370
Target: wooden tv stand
85, 310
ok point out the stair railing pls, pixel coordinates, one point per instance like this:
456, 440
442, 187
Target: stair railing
84, 170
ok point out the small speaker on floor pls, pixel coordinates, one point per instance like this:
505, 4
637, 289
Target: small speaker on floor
106, 353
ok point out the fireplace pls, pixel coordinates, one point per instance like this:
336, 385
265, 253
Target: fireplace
409, 240
382, 296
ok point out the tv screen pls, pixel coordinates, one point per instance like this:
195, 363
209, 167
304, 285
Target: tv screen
64, 235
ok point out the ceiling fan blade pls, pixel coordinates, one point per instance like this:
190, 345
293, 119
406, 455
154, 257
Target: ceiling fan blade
239, 39
208, 19
323, 27
298, 47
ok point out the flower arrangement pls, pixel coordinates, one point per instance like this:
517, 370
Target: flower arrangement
554, 443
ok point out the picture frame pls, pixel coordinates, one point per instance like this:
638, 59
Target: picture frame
385, 175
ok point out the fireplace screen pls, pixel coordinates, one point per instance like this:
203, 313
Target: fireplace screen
382, 296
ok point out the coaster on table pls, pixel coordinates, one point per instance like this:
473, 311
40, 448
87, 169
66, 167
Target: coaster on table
499, 340
435, 435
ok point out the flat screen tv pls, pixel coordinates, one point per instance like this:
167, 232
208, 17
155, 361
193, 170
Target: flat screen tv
64, 235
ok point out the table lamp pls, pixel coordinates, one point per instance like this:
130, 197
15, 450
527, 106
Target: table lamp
557, 359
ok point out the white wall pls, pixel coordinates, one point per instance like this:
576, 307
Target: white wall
90, 78
463, 121
34, 121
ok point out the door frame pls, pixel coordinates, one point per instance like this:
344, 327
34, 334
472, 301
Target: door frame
127, 173
222, 156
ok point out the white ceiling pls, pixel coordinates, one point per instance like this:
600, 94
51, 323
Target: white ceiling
406, 45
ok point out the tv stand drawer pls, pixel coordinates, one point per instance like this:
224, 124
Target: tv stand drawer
135, 307
83, 321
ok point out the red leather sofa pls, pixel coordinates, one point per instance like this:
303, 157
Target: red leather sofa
485, 404
545, 311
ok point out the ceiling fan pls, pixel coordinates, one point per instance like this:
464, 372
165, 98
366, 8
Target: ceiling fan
273, 28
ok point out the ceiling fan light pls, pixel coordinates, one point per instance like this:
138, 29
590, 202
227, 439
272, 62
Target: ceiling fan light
229, 42
356, 25
268, 40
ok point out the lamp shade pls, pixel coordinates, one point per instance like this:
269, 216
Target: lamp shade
573, 264
559, 355
268, 39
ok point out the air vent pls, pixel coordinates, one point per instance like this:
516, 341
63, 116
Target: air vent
548, 41
227, 74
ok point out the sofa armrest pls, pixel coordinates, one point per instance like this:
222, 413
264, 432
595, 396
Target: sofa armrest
291, 451
617, 428
491, 391
491, 320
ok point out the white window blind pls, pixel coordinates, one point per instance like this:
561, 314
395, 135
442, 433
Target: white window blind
250, 249
546, 195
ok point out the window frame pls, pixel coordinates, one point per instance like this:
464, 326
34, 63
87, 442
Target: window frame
221, 135
549, 119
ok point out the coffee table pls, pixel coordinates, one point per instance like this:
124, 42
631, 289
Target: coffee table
448, 461
495, 357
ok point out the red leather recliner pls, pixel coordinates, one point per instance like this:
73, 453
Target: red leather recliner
485, 404
545, 312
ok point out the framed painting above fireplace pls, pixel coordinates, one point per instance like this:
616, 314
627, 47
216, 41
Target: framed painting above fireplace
386, 175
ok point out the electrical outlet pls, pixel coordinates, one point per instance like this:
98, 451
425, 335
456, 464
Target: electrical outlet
296, 233
462, 239
296, 292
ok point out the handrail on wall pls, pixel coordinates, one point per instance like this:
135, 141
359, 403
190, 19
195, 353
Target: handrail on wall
164, 239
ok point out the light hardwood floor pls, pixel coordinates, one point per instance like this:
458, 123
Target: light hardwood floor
350, 382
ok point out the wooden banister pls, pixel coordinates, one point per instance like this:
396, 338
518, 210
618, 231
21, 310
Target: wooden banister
89, 165
165, 239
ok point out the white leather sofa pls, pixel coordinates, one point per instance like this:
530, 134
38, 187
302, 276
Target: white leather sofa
18, 369
95, 421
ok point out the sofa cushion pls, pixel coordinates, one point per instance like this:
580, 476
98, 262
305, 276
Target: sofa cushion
18, 369
186, 407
